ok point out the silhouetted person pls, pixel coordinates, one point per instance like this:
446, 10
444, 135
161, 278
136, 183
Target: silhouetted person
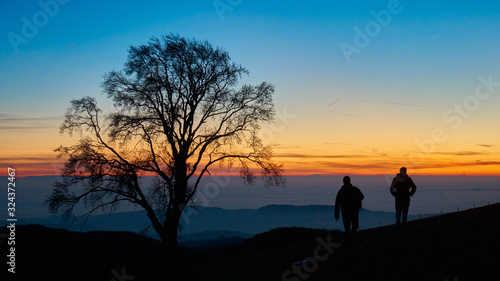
349, 201
402, 188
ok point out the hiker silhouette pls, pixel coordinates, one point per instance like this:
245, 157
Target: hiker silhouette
402, 188
348, 201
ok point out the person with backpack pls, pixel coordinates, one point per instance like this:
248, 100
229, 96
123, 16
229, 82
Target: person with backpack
402, 188
348, 201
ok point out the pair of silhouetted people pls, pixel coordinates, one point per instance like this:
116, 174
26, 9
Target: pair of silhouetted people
349, 199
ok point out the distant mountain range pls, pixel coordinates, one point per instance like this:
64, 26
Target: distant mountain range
435, 194
212, 223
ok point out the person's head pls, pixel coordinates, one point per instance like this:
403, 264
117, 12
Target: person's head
347, 180
402, 170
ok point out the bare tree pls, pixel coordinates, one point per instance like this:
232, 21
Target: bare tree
178, 113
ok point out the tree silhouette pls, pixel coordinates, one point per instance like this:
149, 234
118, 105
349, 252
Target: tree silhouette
177, 113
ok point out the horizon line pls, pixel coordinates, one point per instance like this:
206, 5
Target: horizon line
307, 175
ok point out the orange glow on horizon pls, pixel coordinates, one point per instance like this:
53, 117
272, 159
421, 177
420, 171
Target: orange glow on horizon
30, 153
26, 168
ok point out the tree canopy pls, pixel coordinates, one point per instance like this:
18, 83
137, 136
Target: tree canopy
178, 112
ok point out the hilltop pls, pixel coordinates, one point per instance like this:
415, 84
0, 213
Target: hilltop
463, 245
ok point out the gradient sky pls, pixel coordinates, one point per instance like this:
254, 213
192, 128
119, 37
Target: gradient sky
406, 97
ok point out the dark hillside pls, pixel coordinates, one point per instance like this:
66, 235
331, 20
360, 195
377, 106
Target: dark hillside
55, 254
461, 246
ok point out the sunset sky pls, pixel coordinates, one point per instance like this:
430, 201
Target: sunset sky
361, 88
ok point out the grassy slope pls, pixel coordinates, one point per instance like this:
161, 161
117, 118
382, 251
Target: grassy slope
464, 244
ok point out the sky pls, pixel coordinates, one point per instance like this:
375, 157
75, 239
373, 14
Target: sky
361, 88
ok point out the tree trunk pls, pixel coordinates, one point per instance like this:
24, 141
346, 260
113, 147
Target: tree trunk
169, 237
173, 216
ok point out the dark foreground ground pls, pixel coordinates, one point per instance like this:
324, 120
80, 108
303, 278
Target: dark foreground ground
458, 246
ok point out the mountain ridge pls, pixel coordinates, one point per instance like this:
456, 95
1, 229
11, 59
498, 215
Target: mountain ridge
213, 219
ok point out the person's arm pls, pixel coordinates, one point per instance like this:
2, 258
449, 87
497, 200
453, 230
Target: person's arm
393, 187
413, 187
337, 205
361, 196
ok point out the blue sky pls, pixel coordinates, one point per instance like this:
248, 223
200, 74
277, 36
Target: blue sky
276, 41
430, 55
